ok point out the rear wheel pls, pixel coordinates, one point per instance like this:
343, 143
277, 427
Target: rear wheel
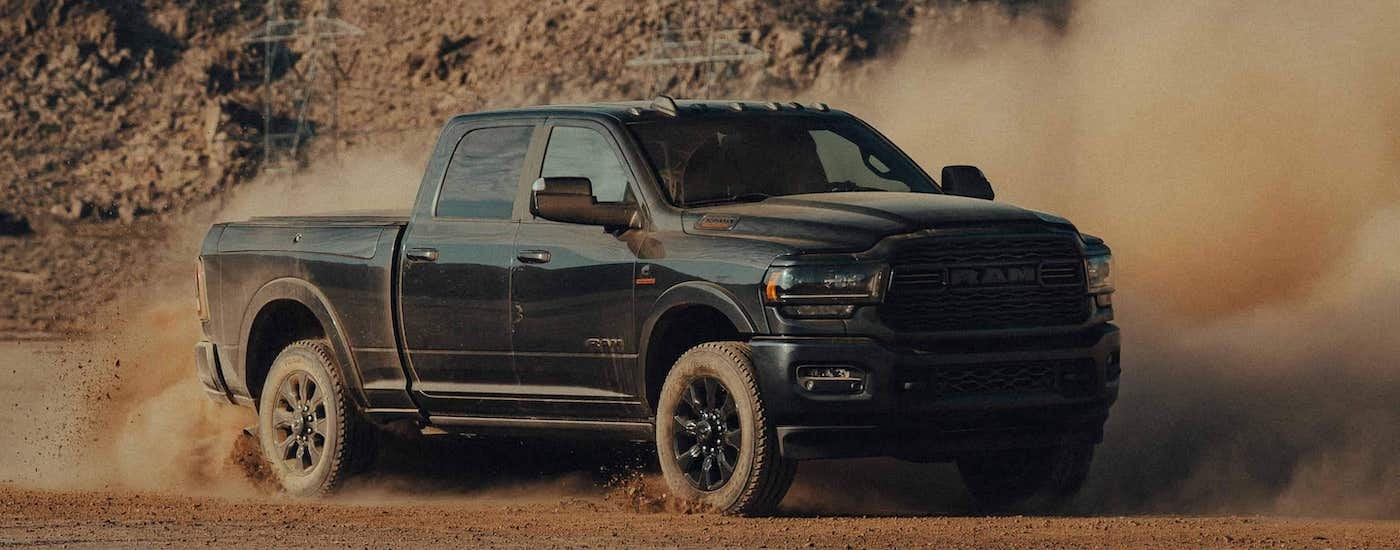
310, 435
1030, 480
715, 443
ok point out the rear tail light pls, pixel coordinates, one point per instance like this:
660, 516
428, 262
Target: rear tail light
201, 292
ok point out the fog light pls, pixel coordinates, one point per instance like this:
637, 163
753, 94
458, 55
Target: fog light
832, 379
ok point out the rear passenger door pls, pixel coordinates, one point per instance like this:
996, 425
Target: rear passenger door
455, 275
571, 290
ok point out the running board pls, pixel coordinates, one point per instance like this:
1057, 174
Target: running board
636, 431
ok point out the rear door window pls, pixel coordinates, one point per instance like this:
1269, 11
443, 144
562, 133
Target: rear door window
484, 173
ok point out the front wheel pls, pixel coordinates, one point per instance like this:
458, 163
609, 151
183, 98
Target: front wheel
307, 427
715, 442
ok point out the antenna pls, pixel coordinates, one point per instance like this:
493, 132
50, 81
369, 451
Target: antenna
666, 105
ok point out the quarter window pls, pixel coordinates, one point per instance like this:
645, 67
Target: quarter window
484, 173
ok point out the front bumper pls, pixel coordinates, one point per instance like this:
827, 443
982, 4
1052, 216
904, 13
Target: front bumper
206, 363
939, 401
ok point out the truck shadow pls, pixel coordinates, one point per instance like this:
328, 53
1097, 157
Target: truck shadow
626, 475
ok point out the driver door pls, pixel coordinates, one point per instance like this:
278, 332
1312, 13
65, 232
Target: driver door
572, 292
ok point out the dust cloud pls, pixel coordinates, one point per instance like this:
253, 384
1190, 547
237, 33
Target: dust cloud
127, 410
1243, 160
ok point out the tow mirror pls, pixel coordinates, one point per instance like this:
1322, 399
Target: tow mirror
571, 200
966, 181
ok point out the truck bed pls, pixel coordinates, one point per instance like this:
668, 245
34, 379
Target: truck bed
344, 263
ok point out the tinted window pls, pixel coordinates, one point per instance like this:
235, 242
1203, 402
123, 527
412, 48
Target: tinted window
484, 173
845, 162
581, 152
705, 160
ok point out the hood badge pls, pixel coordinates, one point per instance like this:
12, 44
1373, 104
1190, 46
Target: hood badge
717, 222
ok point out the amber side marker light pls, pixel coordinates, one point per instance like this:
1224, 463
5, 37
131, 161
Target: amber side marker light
201, 298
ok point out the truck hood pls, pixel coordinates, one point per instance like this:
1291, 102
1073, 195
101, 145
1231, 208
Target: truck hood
852, 221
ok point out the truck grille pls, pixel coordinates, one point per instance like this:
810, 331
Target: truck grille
1070, 378
986, 282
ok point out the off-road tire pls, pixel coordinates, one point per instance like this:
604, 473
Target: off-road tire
344, 442
760, 476
1037, 481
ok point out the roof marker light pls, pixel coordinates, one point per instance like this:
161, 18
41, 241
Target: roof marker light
666, 105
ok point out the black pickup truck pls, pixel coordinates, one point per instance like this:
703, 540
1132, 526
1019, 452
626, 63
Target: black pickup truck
745, 284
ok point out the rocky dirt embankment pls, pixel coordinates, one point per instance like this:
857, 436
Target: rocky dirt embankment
118, 111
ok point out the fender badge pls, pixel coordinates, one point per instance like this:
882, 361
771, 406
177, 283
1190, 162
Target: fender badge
717, 222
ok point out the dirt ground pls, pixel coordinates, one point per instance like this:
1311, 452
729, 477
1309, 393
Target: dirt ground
122, 520
465, 493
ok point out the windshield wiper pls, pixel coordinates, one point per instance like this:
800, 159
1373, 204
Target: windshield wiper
743, 197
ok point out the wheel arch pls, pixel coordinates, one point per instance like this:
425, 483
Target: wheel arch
684, 316
286, 310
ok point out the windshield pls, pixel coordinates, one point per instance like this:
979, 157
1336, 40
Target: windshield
744, 158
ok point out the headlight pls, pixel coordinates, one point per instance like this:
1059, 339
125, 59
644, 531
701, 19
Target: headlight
825, 284
1100, 272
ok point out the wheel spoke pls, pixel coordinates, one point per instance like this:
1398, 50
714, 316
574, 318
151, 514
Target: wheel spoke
288, 394
734, 438
283, 418
726, 468
707, 471
710, 392
693, 399
284, 448
312, 452
686, 425
320, 427
686, 458
310, 385
724, 402
301, 389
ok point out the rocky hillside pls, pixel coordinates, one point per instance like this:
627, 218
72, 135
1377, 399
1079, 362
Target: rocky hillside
120, 112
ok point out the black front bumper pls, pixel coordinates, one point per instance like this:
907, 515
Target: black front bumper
937, 401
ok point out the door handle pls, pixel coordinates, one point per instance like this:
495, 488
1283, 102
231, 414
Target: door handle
533, 256
422, 254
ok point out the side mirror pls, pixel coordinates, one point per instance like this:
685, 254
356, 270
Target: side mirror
571, 200
967, 181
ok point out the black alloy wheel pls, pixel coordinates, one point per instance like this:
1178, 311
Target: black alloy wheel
299, 418
708, 434
311, 435
716, 445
